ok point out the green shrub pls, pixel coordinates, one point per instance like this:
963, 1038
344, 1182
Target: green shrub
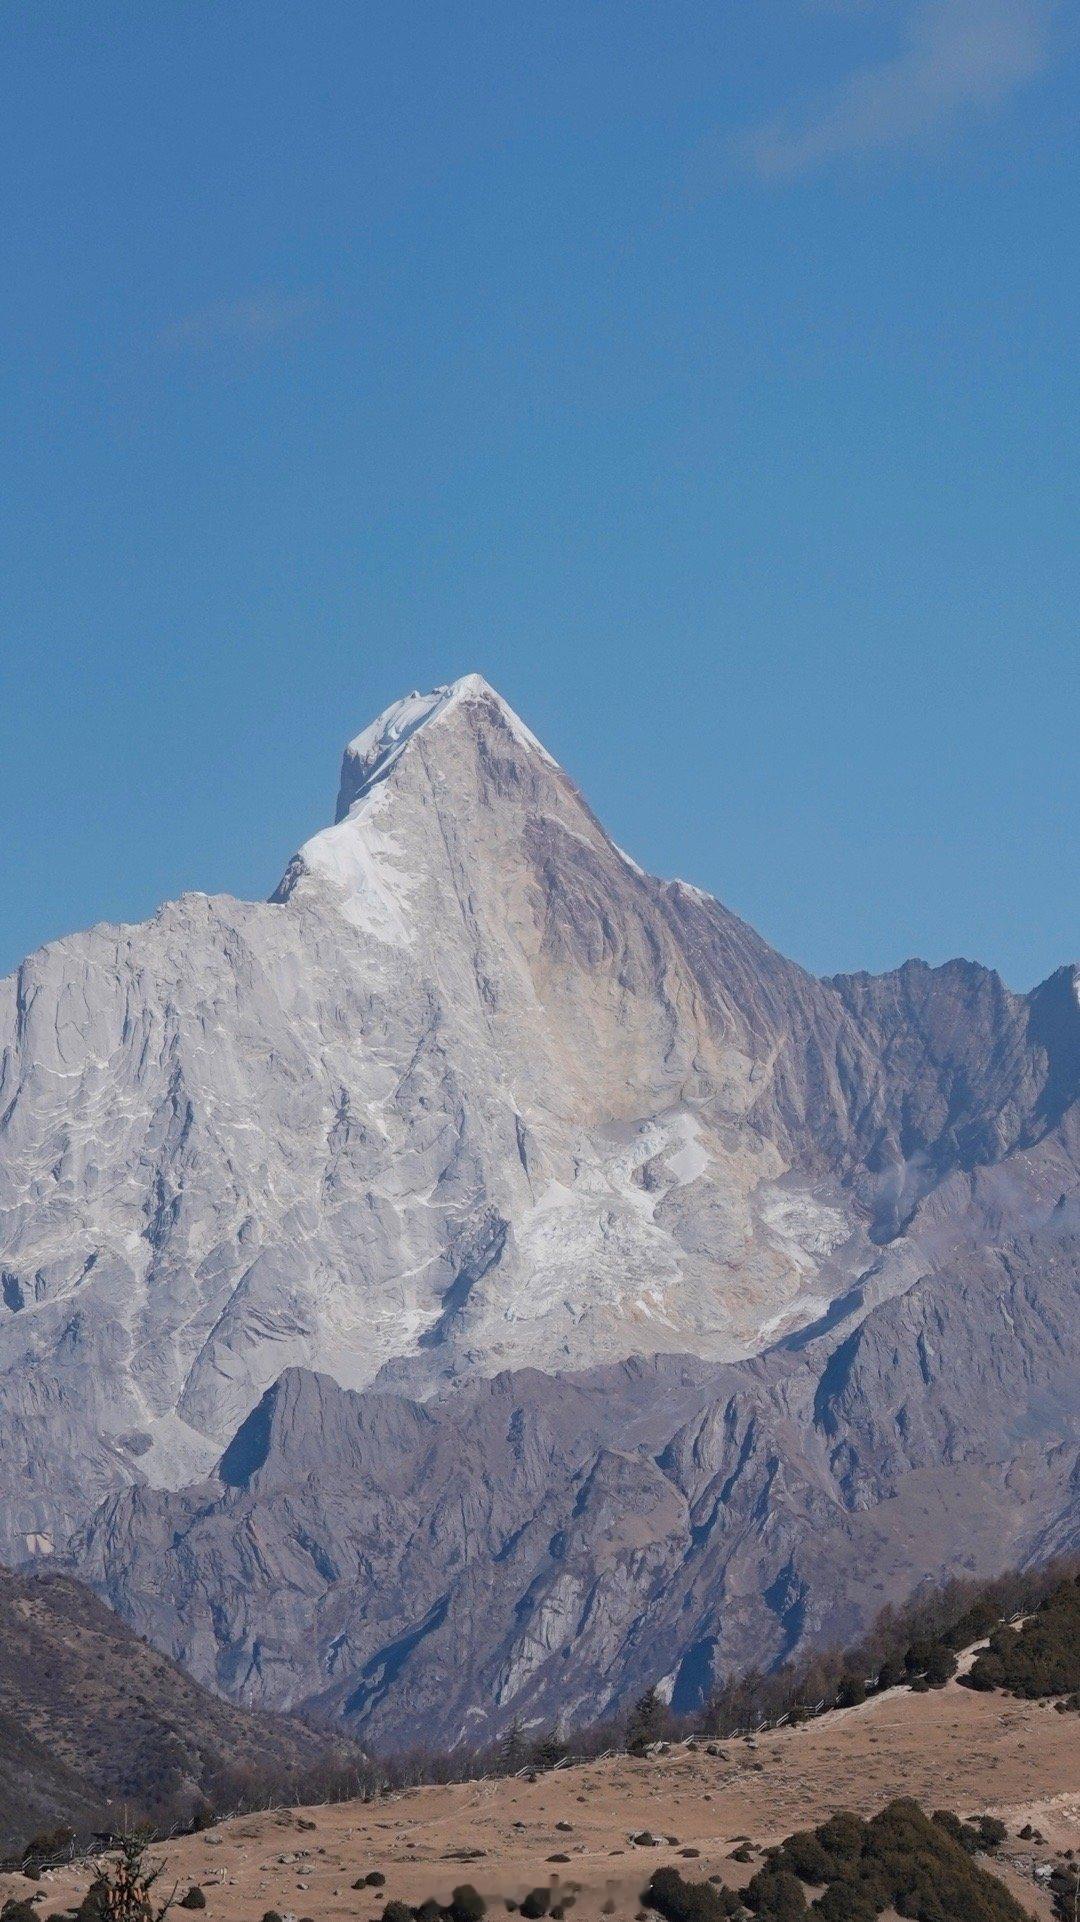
122, 1891
844, 1902
978, 1622
842, 1839
16, 1910
776, 1893
963, 1832
1040, 1659
51, 1846
941, 1667
807, 1858
900, 1859
892, 1672
467, 1904
647, 1723
991, 1832
931, 1659
680, 1901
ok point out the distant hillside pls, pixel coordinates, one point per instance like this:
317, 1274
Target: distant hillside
95, 1725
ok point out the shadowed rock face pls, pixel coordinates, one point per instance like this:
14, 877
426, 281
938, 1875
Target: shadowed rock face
470, 1106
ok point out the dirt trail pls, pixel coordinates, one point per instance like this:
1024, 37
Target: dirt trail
950, 1748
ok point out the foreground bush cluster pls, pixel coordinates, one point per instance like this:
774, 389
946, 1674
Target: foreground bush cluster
848, 1870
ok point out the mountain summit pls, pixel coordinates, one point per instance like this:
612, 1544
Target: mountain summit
472, 1093
376, 749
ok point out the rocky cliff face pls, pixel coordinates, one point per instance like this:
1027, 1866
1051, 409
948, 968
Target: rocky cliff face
473, 1097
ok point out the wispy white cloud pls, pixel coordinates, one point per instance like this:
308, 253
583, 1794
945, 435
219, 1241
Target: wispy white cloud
957, 56
258, 317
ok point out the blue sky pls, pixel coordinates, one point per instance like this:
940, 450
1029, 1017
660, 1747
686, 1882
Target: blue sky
703, 373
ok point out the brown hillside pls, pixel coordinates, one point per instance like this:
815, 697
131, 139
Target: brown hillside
951, 1748
93, 1720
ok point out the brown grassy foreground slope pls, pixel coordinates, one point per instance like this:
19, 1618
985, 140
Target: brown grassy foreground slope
92, 1720
950, 1748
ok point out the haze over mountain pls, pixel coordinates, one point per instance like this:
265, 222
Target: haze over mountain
331, 1227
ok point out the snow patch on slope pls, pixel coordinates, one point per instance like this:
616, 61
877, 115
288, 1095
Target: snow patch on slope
602, 1222
691, 1158
807, 1229
361, 860
177, 1453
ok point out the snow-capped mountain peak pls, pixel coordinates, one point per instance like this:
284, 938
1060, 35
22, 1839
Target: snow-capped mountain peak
470, 1093
473, 1097
378, 747
408, 782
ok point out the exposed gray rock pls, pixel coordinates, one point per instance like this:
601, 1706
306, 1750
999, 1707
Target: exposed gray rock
471, 1101
539, 1545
